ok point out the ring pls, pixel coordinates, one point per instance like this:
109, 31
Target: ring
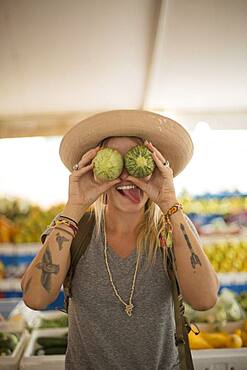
166, 164
76, 167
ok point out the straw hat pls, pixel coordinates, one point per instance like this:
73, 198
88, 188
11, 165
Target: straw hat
168, 136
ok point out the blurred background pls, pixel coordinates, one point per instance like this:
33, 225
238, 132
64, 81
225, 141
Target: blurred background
62, 61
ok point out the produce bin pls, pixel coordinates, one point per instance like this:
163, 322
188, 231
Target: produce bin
50, 319
220, 359
33, 362
13, 362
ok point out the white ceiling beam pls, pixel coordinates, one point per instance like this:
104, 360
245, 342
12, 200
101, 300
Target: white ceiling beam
153, 72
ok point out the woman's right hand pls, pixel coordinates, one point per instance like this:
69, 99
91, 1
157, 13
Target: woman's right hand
83, 189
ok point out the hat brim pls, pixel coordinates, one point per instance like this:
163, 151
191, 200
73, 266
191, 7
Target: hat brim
168, 136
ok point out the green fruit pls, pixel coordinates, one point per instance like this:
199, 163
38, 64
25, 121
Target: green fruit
139, 161
108, 164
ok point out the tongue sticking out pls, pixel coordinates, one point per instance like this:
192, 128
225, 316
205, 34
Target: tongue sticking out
133, 194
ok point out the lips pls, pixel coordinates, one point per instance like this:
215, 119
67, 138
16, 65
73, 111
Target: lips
130, 191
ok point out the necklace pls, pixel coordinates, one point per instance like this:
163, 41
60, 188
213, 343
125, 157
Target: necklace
128, 306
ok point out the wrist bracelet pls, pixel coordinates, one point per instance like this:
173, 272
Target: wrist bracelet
67, 218
166, 233
66, 231
67, 223
176, 207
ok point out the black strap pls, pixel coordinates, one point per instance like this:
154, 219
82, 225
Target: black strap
77, 249
182, 323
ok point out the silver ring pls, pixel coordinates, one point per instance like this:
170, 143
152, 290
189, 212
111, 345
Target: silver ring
166, 164
76, 167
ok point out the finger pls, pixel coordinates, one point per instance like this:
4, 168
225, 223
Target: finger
107, 185
160, 164
155, 150
82, 171
88, 156
150, 146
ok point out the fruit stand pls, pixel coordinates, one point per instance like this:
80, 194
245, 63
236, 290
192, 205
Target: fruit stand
221, 221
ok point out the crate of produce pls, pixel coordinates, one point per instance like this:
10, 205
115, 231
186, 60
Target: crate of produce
50, 319
220, 359
45, 350
12, 346
220, 350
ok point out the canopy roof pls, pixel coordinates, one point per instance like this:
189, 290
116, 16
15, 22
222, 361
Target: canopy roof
63, 60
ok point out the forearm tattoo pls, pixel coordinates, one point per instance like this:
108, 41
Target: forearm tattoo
60, 239
47, 268
194, 259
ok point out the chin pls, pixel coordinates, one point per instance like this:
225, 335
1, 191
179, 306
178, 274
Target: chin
129, 208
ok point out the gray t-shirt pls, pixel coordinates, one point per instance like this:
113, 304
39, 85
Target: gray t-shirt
101, 335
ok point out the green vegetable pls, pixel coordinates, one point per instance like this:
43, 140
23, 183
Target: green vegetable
5, 352
139, 161
8, 342
60, 322
50, 351
49, 342
107, 164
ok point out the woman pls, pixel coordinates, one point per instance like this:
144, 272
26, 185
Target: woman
120, 314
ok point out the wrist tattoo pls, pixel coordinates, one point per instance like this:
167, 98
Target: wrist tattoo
47, 268
194, 259
60, 239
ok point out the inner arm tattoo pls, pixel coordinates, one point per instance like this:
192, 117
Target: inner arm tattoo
47, 268
194, 259
60, 239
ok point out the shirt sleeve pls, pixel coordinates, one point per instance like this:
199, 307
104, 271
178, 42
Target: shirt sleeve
48, 230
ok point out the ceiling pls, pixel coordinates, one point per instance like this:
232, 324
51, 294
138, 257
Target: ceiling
63, 60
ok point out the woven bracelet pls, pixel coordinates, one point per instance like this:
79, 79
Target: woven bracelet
66, 231
166, 234
61, 217
67, 223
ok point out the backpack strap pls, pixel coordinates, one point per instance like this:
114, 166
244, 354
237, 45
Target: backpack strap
77, 249
182, 323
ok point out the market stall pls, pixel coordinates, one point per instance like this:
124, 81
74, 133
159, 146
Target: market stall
221, 221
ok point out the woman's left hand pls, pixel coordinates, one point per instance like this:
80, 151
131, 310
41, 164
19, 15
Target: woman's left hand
159, 186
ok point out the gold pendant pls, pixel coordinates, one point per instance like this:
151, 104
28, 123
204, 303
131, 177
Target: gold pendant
128, 309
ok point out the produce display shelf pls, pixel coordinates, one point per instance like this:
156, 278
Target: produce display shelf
19, 248
220, 359
12, 362
51, 362
10, 284
233, 278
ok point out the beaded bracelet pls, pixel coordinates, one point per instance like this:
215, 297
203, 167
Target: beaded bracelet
166, 233
60, 217
66, 231
68, 223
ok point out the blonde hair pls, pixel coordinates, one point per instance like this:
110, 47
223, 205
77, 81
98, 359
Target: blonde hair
148, 230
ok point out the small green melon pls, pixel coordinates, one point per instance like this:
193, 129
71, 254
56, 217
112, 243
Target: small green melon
139, 161
107, 164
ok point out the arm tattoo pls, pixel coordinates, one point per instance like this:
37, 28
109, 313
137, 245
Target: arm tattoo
27, 285
60, 239
194, 259
47, 268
